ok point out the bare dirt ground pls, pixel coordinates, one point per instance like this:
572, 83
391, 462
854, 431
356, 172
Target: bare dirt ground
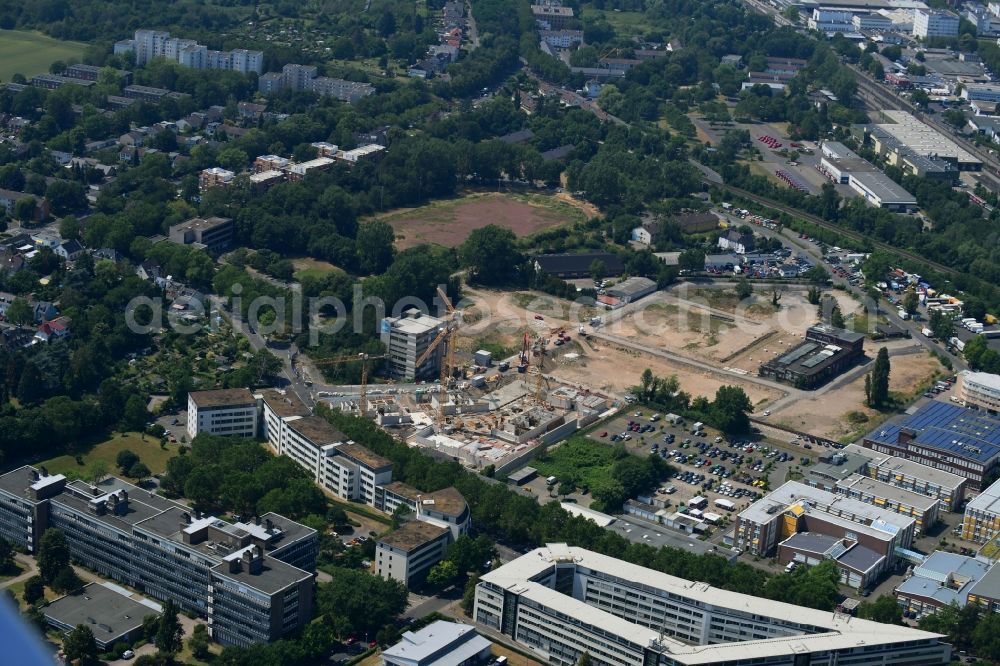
503, 318
835, 413
449, 223
318, 265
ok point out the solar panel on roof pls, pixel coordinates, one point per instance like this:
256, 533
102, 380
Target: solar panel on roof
797, 353
817, 359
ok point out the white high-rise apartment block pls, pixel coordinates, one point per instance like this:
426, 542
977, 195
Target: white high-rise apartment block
225, 412
149, 44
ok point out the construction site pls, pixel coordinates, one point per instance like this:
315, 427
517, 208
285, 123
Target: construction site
478, 410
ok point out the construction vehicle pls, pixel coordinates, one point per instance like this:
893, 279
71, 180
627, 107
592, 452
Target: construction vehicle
363, 358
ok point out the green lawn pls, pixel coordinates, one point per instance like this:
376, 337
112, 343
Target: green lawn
31, 53
580, 460
149, 452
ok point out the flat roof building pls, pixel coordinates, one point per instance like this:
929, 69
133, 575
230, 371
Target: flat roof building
951, 438
922, 479
943, 579
986, 591
979, 390
407, 553
107, 610
214, 234
982, 515
143, 540
795, 507
407, 338
861, 487
905, 132
562, 601
223, 412
825, 353
440, 643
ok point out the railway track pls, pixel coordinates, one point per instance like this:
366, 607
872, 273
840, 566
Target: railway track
848, 233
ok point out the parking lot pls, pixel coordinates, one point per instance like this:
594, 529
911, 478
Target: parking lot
706, 463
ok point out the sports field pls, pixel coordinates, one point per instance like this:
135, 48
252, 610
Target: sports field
31, 53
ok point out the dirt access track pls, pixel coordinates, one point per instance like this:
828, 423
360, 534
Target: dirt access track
449, 222
610, 366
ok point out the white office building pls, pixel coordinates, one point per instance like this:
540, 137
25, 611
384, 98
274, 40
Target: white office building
561, 602
406, 338
225, 412
931, 23
980, 390
831, 21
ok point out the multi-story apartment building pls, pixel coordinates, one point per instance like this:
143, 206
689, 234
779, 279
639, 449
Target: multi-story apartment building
265, 163
214, 177
303, 78
932, 23
156, 545
944, 436
149, 44
406, 338
225, 412
980, 390
561, 602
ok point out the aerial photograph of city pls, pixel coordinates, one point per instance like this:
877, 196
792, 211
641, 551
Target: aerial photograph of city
499, 332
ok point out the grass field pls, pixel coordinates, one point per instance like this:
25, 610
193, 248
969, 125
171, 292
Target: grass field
580, 460
450, 221
31, 53
149, 452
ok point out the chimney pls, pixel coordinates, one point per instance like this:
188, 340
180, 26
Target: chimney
256, 520
269, 525
34, 475
43, 471
906, 435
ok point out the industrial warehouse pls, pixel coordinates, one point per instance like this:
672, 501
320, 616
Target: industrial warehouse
826, 353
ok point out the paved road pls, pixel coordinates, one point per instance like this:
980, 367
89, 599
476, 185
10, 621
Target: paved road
423, 605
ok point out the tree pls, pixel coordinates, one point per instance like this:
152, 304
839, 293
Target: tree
198, 643
469, 554
358, 601
19, 313
491, 255
6, 556
744, 289
139, 472
729, 412
986, 637
53, 554
24, 209
134, 415
885, 609
80, 645
691, 259
598, 270
910, 302
69, 227
169, 631
880, 380
584, 659
941, 325
814, 295
66, 581
469, 595
374, 244
97, 471
125, 459
442, 574
34, 589
836, 317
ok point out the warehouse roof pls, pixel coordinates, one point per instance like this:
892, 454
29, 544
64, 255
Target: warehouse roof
939, 425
